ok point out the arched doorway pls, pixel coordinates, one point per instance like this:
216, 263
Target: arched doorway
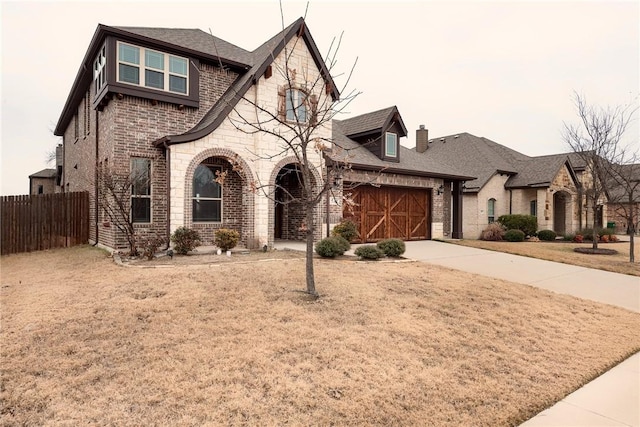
560, 202
289, 216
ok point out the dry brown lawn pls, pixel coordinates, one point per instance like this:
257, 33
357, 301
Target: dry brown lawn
563, 252
85, 341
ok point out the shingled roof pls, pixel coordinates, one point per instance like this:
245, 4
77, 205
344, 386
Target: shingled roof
372, 122
347, 150
44, 173
483, 158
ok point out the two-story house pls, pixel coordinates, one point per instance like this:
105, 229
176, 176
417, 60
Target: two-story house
164, 108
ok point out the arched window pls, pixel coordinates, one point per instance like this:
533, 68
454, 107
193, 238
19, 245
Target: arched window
296, 105
207, 194
491, 210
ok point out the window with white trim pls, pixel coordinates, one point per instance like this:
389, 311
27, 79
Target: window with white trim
491, 210
207, 194
100, 69
296, 105
391, 144
153, 69
140, 190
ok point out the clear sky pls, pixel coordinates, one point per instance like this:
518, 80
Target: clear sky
502, 70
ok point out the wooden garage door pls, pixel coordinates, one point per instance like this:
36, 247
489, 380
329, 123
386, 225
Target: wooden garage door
390, 212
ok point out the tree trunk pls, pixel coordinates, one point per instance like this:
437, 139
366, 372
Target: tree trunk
632, 256
594, 234
311, 225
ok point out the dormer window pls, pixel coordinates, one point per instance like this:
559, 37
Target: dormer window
149, 68
100, 69
391, 144
296, 105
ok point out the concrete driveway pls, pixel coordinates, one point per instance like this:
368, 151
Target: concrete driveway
596, 285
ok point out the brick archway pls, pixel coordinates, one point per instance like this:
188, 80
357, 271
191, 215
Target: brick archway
271, 195
247, 177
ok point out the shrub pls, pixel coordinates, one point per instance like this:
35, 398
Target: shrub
578, 238
569, 237
330, 247
184, 240
514, 236
604, 238
347, 229
548, 235
528, 224
369, 252
150, 245
493, 232
392, 247
226, 238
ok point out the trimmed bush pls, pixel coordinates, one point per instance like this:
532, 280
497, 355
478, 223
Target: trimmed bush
493, 232
347, 229
392, 247
514, 236
569, 237
547, 235
528, 224
331, 247
150, 245
226, 238
369, 252
578, 238
184, 240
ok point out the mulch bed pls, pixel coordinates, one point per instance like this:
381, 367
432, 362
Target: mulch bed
597, 251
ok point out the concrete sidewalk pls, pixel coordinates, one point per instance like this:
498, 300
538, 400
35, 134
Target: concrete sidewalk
613, 399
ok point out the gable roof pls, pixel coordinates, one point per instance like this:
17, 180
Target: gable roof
373, 122
44, 173
249, 65
484, 158
540, 171
262, 57
411, 163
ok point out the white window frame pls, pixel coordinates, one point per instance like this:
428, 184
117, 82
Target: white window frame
491, 210
143, 67
297, 105
198, 198
141, 196
100, 69
393, 143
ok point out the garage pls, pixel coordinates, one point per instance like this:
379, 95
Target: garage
390, 212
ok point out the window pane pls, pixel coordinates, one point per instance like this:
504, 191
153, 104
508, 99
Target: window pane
177, 84
204, 184
154, 60
154, 79
207, 210
141, 209
302, 107
391, 144
129, 74
178, 65
129, 54
289, 97
140, 177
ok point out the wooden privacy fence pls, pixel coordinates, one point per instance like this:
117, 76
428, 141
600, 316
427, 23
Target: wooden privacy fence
45, 221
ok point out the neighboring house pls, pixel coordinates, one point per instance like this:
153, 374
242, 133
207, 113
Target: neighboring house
622, 212
163, 105
509, 182
43, 182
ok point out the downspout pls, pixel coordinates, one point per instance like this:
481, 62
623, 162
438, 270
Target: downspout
328, 203
97, 180
167, 155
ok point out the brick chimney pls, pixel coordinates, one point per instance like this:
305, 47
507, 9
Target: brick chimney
422, 139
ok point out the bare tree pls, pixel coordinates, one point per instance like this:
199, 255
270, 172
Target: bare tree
301, 127
596, 140
115, 200
624, 194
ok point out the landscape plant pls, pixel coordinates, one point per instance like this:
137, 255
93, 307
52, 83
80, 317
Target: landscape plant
150, 244
371, 252
547, 235
392, 247
347, 229
528, 224
185, 240
493, 232
514, 236
331, 247
226, 238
